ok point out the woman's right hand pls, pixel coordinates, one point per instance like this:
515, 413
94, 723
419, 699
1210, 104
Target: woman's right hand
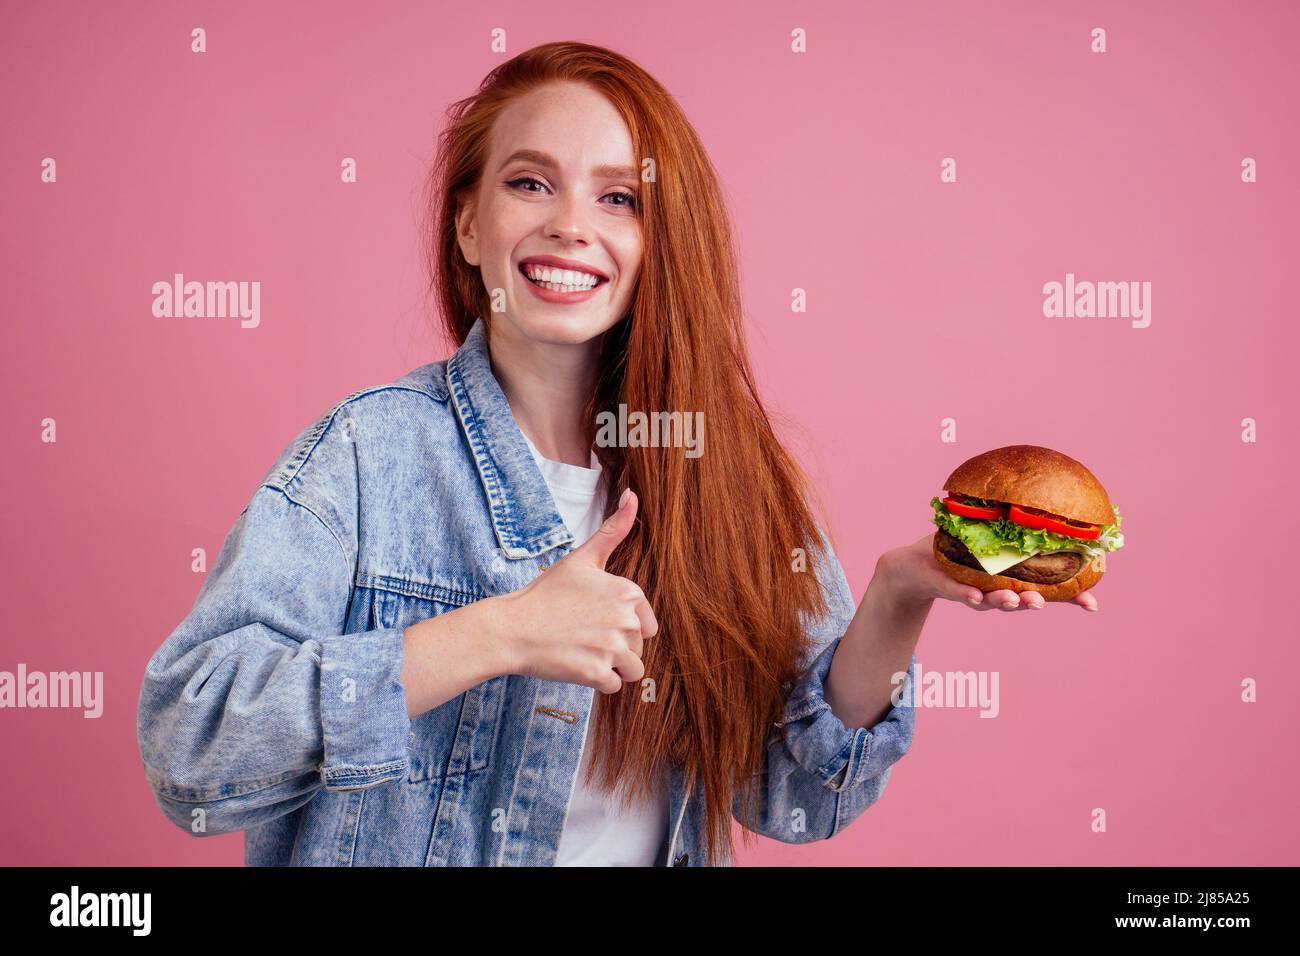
578, 623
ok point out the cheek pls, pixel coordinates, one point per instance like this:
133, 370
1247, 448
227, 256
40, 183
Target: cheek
497, 244
629, 261
505, 224
627, 281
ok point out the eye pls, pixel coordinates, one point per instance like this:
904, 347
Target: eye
514, 183
630, 198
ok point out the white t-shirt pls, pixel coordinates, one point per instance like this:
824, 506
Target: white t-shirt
597, 831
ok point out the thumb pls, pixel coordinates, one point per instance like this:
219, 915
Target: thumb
597, 549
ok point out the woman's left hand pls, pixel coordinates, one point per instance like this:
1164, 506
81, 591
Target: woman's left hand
914, 576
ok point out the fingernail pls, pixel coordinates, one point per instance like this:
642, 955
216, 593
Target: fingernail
1091, 607
974, 600
623, 498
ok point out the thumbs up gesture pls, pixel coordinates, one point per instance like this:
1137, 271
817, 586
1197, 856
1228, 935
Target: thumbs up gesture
577, 622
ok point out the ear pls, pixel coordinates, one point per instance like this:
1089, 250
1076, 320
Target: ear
466, 231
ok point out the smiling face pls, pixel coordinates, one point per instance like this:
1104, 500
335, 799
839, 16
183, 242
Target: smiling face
558, 192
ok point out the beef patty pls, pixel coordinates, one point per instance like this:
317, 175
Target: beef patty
1050, 568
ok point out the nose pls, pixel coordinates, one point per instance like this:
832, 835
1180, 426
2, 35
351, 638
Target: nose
568, 221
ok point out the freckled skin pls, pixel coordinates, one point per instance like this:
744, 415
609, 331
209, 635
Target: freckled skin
567, 212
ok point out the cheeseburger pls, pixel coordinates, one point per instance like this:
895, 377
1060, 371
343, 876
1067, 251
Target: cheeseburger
1025, 518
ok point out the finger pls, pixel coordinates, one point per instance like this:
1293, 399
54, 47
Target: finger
1003, 599
1030, 601
611, 683
1086, 600
596, 551
952, 590
998, 600
633, 636
649, 623
629, 666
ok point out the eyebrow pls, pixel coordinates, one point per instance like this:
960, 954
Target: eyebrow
545, 159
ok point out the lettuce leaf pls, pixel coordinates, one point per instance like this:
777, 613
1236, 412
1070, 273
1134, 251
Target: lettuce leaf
985, 537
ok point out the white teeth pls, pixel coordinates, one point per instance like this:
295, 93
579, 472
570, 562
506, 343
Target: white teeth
561, 280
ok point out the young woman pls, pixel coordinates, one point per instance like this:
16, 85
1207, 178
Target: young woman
396, 656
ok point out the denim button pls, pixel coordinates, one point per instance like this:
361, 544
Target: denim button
681, 860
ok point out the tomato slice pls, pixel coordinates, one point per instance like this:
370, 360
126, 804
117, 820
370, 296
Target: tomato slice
1076, 529
1029, 517
972, 511
1057, 524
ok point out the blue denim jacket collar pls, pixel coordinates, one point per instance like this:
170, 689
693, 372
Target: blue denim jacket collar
523, 513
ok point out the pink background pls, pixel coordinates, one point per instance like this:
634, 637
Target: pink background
924, 299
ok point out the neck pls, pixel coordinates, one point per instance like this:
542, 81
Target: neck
547, 386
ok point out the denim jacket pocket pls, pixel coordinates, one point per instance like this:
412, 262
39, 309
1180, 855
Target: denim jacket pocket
457, 737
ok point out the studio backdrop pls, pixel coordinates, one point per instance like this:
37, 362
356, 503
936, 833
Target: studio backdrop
958, 225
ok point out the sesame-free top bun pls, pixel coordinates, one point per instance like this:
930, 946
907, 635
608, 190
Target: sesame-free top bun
1086, 577
1034, 477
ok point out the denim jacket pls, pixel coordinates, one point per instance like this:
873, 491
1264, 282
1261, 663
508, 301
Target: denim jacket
276, 706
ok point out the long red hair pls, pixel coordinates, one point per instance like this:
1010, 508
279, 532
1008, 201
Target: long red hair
712, 548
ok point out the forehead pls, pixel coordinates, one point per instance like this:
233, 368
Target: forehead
572, 124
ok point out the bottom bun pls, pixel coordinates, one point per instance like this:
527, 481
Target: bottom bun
1088, 575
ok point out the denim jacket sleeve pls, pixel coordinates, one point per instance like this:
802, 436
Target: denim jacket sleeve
818, 774
258, 699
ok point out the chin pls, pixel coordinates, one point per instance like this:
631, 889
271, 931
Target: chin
560, 329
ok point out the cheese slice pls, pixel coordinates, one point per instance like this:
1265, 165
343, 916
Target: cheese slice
997, 563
